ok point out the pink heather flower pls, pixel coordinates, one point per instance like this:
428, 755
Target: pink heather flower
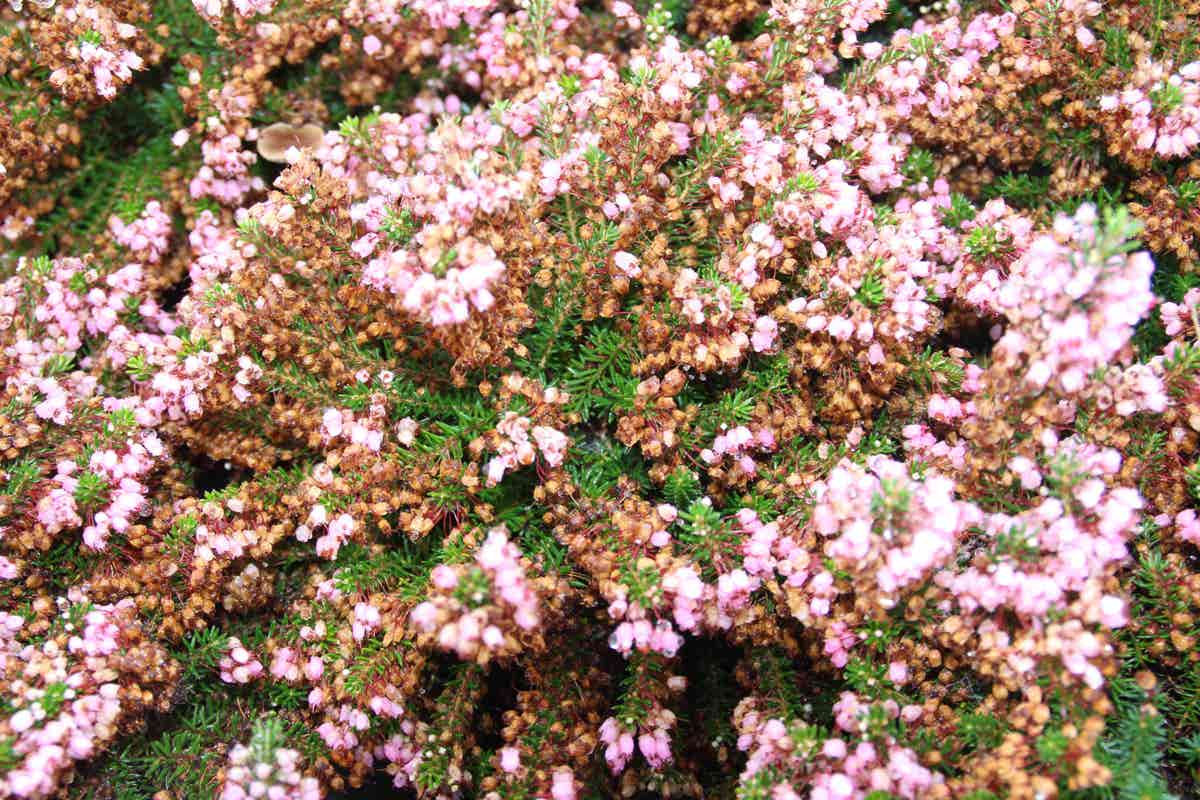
551, 443
1187, 526
766, 330
424, 616
838, 641
342, 527
496, 469
444, 577
366, 620
284, 665
255, 772
337, 534
239, 665
148, 236
627, 263
563, 785
509, 602
406, 431
331, 423
840, 787
1113, 612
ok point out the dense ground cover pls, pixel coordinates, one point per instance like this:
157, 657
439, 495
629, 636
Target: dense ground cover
583, 399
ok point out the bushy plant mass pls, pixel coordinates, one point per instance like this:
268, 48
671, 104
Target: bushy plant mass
566, 399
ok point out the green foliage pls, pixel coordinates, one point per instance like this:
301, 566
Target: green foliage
200, 653
932, 370
58, 364
871, 292
710, 154
682, 487
961, 210
403, 569
713, 541
987, 242
867, 678
1052, 746
1187, 195
1166, 97
110, 179
183, 757
919, 166
761, 784
1133, 750
598, 378
599, 463
399, 226
9, 758
370, 662
91, 490
1117, 51
19, 476
1019, 190
981, 731
455, 705
730, 409
139, 369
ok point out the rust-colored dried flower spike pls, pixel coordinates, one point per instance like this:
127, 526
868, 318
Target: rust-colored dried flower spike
275, 140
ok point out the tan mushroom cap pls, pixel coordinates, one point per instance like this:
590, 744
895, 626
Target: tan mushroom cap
274, 140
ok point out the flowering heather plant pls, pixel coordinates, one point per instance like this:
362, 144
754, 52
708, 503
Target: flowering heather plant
559, 399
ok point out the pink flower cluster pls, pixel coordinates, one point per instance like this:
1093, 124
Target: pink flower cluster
1078, 535
148, 236
810, 21
66, 703
976, 277
737, 443
830, 767
652, 737
239, 665
888, 529
942, 72
1072, 307
260, 772
768, 552
103, 51
481, 610
439, 285
1181, 317
214, 11
337, 530
679, 592
217, 538
225, 174
1161, 112
516, 448
122, 473
363, 432
450, 14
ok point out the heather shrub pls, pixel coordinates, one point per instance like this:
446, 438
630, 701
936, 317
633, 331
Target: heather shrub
599, 398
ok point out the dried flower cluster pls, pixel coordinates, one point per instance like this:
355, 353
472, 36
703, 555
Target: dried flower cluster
549, 399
